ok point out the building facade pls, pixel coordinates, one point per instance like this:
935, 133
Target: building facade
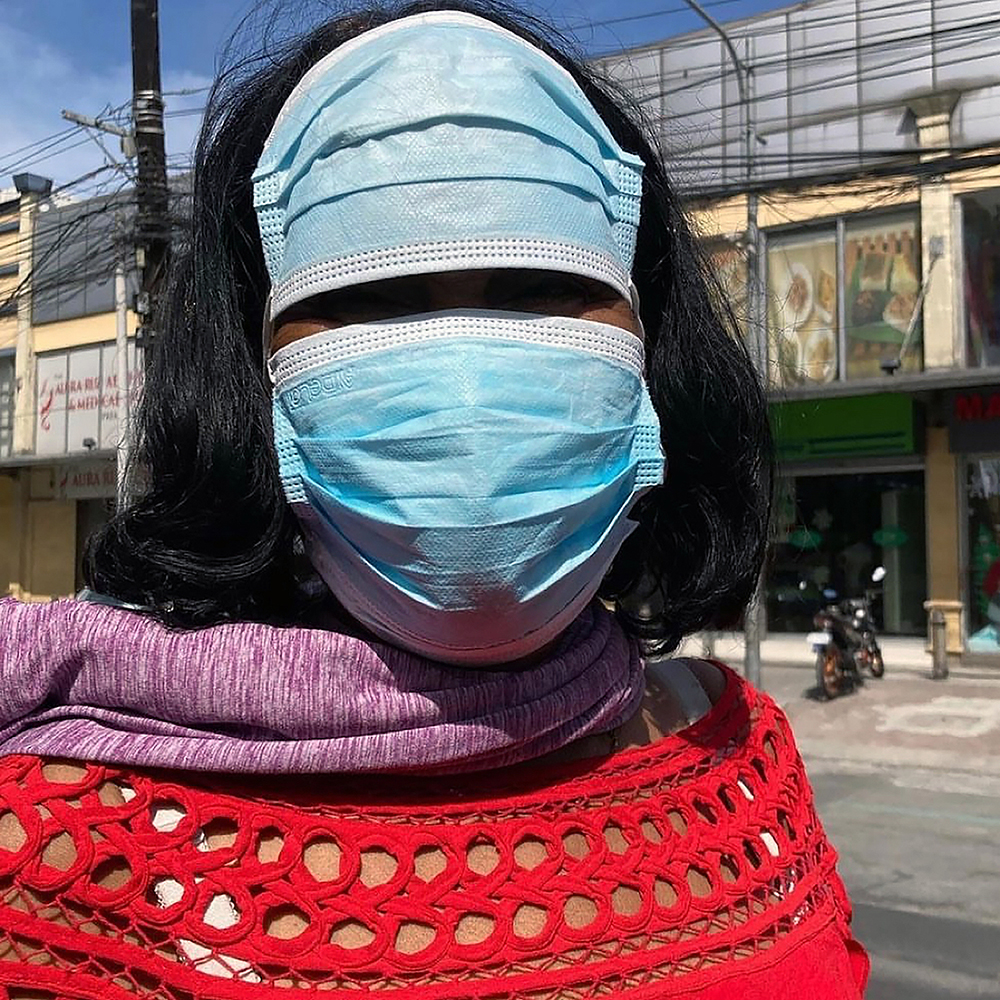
59, 381
860, 136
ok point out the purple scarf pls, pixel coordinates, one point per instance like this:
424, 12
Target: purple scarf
93, 682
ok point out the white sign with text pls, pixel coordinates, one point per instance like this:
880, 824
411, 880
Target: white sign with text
77, 408
86, 480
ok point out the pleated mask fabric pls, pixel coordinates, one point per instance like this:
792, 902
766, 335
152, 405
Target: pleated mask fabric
464, 479
441, 142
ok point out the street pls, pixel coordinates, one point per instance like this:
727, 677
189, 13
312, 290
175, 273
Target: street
906, 773
919, 856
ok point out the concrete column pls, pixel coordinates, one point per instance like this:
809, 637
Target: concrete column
51, 541
943, 526
32, 189
942, 340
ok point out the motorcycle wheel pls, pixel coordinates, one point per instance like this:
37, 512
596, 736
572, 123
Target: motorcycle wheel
829, 672
875, 665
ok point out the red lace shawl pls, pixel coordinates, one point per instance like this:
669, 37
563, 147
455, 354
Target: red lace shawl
694, 867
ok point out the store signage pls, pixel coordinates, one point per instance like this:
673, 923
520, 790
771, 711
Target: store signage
890, 537
804, 538
86, 480
808, 430
974, 420
78, 395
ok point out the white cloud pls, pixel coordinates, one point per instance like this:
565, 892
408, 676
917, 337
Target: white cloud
42, 80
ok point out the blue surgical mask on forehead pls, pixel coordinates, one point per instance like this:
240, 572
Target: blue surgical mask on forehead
441, 142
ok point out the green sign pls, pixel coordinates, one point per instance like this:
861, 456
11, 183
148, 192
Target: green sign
890, 537
882, 424
804, 538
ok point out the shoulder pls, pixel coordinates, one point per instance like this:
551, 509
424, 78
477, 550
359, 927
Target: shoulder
679, 693
741, 751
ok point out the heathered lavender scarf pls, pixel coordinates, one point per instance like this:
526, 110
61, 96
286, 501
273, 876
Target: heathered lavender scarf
93, 682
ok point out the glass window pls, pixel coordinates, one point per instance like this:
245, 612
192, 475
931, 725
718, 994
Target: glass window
75, 248
882, 277
832, 531
983, 493
802, 308
981, 246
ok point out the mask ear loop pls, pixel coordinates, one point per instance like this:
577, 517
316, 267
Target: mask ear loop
267, 329
633, 297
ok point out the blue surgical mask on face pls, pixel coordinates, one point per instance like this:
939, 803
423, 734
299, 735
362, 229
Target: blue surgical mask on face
463, 479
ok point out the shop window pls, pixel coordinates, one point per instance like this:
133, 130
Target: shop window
882, 286
874, 320
802, 308
832, 531
981, 250
983, 494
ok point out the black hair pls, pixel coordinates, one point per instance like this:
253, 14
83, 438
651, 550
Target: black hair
210, 538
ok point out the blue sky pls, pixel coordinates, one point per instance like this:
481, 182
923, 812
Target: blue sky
76, 54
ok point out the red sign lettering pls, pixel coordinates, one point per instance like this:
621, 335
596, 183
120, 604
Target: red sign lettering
971, 406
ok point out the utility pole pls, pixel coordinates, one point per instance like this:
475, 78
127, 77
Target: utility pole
755, 312
122, 373
152, 222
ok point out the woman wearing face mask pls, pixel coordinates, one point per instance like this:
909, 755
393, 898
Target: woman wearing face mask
343, 711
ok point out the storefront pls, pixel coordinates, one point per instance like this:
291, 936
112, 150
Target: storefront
974, 437
54, 499
974, 423
851, 498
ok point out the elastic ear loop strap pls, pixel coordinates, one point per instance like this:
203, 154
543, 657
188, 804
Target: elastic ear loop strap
267, 331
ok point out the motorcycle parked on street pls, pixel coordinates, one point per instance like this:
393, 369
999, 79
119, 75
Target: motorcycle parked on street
846, 647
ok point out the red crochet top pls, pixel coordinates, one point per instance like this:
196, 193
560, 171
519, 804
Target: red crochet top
694, 867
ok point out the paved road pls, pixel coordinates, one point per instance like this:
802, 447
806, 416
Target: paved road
922, 865
919, 845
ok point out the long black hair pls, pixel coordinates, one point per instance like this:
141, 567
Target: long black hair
211, 538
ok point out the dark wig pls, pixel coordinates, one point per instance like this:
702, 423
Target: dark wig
210, 538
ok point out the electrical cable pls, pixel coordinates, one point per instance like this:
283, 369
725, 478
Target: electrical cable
825, 83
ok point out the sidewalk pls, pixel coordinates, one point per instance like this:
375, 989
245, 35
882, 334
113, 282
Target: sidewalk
905, 720
906, 653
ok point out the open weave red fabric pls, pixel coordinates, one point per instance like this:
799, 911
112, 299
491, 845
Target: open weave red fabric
694, 867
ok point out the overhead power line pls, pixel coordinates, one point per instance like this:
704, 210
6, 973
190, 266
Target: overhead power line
649, 15
889, 40
912, 173
796, 18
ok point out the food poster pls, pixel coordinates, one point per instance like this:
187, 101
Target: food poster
802, 309
730, 266
882, 273
981, 245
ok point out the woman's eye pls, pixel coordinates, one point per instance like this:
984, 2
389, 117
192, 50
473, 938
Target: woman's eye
361, 306
365, 304
554, 290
